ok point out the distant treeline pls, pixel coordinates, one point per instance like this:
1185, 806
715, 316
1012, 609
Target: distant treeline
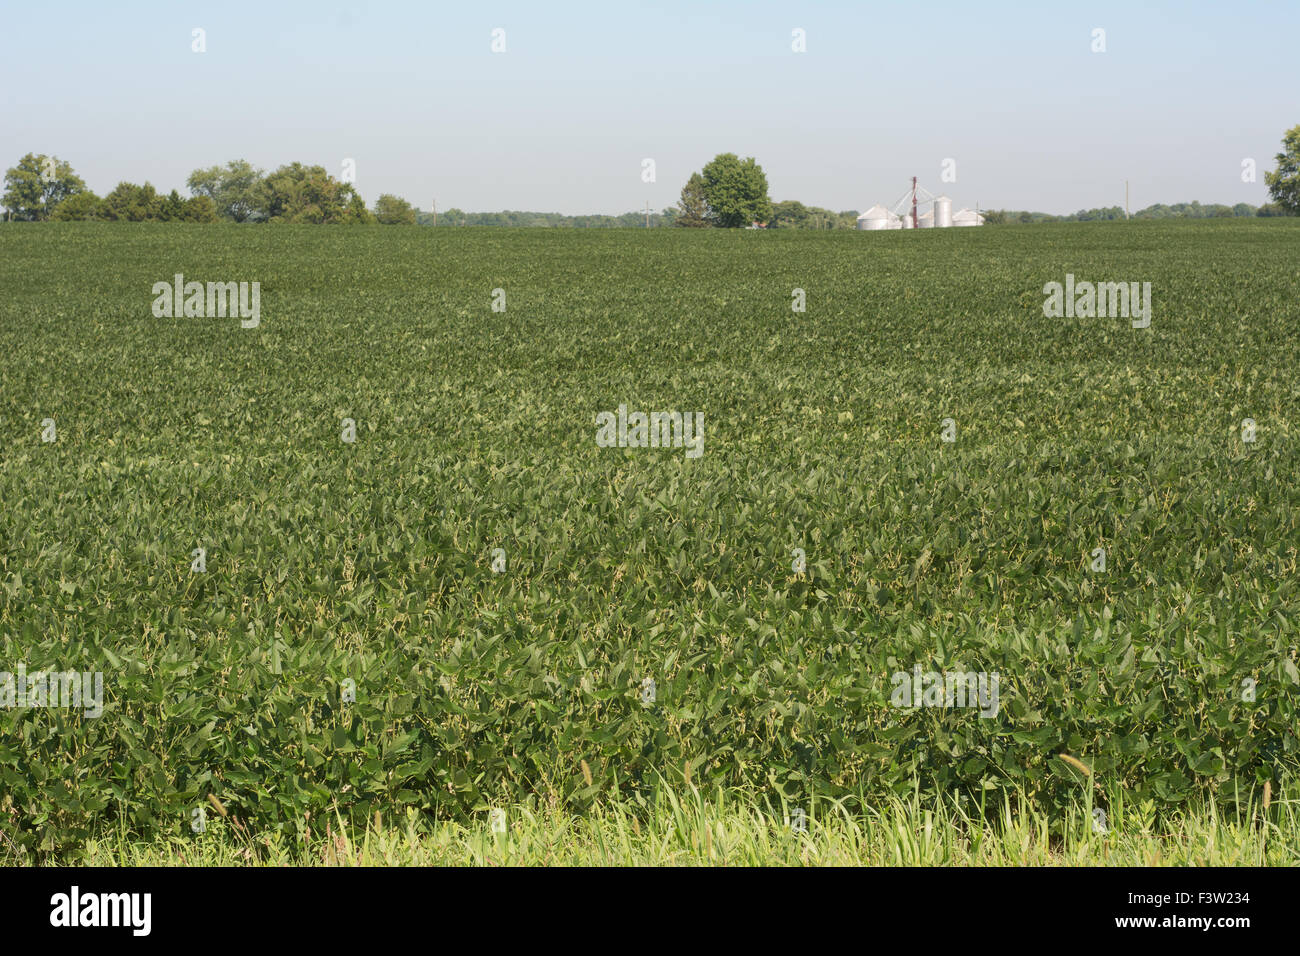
785, 215
1182, 210
792, 214
42, 187
553, 220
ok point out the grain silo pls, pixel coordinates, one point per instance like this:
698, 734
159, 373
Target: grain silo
906, 213
877, 217
942, 210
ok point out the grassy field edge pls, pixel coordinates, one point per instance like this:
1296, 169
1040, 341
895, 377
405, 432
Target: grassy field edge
692, 827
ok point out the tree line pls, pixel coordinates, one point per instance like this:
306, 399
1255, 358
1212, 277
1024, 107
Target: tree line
728, 192
547, 220
45, 187
1182, 210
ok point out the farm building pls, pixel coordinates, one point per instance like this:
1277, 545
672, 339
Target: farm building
939, 215
878, 217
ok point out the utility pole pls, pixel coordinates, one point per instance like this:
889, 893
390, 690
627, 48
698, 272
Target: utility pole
647, 214
1126, 199
435, 212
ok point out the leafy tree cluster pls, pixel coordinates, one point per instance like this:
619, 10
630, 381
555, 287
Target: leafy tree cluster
729, 192
131, 203
44, 187
293, 193
298, 193
790, 214
236, 189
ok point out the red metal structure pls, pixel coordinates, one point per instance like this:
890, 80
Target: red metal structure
914, 197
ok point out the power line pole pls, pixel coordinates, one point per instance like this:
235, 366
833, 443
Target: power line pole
647, 214
435, 212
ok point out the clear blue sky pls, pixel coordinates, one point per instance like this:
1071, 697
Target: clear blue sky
585, 91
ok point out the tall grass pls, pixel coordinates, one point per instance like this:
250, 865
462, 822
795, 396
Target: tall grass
691, 828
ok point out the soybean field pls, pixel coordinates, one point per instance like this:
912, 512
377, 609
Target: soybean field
407, 542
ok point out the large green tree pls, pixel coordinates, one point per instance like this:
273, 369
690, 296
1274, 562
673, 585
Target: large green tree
1284, 182
36, 186
392, 210
298, 193
736, 191
236, 190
